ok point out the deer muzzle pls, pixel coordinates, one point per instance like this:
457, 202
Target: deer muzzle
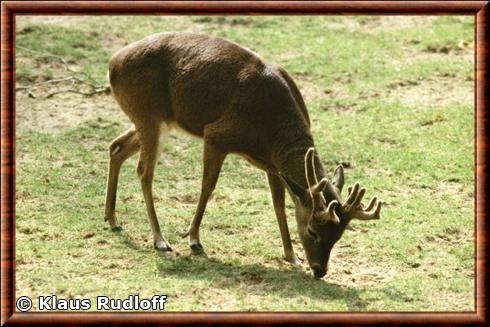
318, 271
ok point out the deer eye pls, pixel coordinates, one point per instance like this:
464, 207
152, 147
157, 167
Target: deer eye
312, 234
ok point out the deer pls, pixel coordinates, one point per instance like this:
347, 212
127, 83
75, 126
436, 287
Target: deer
229, 97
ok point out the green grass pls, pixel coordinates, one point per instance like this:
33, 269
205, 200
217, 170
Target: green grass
415, 152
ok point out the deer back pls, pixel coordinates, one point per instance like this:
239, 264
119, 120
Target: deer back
198, 81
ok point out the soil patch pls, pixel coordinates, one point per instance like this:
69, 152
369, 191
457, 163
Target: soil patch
348, 270
372, 24
435, 93
63, 111
356, 271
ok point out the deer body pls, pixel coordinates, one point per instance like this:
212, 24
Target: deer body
228, 96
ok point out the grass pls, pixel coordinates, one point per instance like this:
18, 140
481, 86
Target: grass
390, 98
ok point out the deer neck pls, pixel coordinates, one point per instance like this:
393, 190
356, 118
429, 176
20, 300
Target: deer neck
291, 164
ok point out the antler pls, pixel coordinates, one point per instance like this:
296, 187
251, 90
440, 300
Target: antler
320, 212
352, 206
356, 209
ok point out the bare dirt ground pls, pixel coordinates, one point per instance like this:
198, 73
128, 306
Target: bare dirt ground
64, 111
387, 23
437, 92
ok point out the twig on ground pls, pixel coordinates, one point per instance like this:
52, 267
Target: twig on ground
63, 61
93, 85
51, 81
106, 89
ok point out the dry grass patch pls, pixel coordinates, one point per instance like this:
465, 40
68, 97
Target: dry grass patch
63, 111
435, 93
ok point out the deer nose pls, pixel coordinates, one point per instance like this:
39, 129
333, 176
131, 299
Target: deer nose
318, 271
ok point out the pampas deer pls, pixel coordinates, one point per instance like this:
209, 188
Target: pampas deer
237, 103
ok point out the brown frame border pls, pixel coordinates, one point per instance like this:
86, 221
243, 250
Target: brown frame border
479, 9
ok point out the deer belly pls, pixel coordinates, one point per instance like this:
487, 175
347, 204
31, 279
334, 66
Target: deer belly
257, 163
185, 130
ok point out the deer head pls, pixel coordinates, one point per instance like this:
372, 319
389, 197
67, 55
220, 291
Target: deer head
321, 214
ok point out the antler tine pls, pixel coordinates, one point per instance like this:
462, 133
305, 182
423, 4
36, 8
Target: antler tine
329, 214
356, 209
312, 159
332, 213
352, 194
309, 168
358, 199
355, 198
364, 215
371, 204
317, 188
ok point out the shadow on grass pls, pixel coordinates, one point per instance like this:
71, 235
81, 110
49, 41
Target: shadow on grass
257, 279
128, 241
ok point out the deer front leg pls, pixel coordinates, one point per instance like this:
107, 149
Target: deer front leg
212, 162
278, 200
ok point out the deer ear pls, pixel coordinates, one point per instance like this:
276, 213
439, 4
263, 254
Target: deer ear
295, 188
338, 178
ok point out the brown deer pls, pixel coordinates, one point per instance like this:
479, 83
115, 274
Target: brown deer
228, 96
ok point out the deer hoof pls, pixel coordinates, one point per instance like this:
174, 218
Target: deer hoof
116, 229
197, 248
294, 261
162, 246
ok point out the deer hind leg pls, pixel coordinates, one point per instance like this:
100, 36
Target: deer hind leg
120, 149
278, 200
152, 141
212, 162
